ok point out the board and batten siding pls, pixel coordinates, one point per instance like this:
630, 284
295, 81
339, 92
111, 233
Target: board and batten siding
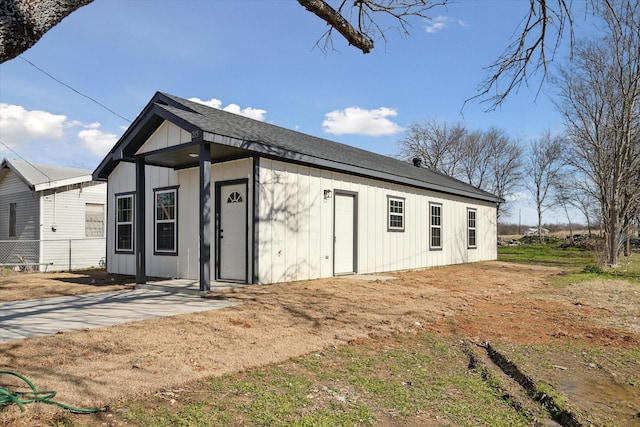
167, 135
186, 263
296, 225
123, 180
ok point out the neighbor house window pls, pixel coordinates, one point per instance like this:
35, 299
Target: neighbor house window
395, 214
471, 228
124, 223
93, 220
13, 207
166, 225
436, 225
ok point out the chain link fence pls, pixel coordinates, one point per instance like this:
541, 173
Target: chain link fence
53, 255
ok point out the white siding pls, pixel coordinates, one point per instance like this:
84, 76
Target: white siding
293, 211
64, 240
121, 180
14, 190
296, 223
166, 135
186, 263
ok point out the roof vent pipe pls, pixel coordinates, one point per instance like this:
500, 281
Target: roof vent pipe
417, 162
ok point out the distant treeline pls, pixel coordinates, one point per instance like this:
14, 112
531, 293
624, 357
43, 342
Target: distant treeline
519, 229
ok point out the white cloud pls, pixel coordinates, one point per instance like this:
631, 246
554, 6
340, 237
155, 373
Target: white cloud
97, 142
18, 125
253, 113
356, 120
441, 22
44, 137
437, 24
215, 103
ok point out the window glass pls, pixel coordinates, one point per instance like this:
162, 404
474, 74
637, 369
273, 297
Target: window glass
165, 221
471, 227
13, 208
94, 220
396, 214
124, 223
234, 197
436, 225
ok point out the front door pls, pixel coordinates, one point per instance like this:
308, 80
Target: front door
232, 231
344, 233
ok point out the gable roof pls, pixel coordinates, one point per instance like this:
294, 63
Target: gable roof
239, 132
40, 177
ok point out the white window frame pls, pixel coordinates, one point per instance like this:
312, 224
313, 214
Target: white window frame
435, 225
395, 212
161, 222
129, 222
472, 228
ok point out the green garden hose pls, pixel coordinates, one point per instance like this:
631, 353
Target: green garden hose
21, 398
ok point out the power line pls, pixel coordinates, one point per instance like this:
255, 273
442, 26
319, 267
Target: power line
73, 89
27, 161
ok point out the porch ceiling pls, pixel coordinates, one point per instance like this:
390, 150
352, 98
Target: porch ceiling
186, 155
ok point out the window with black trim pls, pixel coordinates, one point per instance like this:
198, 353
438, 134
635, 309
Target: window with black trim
124, 223
435, 214
471, 228
13, 218
395, 212
165, 219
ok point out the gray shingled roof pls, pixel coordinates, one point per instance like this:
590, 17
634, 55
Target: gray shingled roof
37, 175
222, 123
275, 141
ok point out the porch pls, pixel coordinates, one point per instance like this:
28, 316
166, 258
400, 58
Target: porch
187, 286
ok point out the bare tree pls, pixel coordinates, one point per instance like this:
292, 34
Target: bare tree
576, 192
360, 22
600, 100
543, 171
505, 170
487, 160
439, 146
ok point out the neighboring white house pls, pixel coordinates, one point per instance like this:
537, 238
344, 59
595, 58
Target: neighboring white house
199, 193
50, 216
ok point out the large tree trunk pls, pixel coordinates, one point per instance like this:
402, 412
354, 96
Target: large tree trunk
24, 22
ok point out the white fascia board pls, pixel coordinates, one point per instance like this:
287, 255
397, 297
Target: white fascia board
61, 183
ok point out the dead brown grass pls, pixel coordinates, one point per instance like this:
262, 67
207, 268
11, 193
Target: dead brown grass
491, 300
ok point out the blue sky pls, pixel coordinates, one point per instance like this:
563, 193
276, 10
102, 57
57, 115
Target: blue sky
259, 58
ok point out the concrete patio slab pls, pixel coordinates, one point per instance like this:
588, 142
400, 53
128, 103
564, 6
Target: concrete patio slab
47, 316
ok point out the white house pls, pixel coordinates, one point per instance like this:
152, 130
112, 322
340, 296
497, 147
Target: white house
199, 193
51, 217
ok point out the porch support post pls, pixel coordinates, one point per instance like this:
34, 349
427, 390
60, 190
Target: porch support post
205, 217
140, 242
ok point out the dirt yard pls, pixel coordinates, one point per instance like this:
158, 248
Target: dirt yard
508, 304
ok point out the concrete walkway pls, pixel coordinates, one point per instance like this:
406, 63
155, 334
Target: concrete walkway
46, 316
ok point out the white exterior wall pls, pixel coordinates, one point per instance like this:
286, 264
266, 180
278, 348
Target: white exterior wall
64, 210
38, 212
186, 263
166, 135
296, 225
121, 180
189, 215
14, 190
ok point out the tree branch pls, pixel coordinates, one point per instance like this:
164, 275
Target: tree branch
332, 17
24, 22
